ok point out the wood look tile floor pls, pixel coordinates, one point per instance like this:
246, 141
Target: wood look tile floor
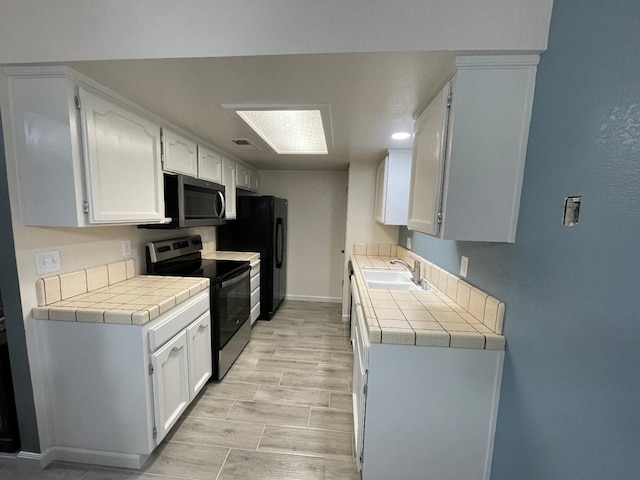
283, 412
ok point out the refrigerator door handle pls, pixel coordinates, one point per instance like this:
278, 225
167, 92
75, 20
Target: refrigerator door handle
279, 243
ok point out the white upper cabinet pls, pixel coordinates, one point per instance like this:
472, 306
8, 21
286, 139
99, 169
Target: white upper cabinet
469, 151
84, 157
392, 188
246, 177
242, 176
209, 165
121, 160
254, 179
229, 182
180, 154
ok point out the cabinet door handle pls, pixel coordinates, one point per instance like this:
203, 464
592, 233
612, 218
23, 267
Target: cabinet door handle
203, 325
176, 349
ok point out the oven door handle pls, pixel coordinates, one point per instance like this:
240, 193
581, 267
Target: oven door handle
235, 280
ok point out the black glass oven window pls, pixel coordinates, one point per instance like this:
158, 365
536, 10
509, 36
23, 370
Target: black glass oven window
234, 308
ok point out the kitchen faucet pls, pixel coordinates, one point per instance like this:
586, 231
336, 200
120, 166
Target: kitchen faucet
415, 271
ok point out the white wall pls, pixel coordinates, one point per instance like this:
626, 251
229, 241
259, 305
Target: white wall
361, 224
41, 30
317, 217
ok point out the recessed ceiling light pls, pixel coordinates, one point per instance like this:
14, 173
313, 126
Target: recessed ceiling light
288, 131
400, 135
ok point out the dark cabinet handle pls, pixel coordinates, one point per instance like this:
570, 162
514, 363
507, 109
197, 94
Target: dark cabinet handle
279, 243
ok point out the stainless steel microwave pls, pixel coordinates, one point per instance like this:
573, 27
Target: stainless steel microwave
191, 202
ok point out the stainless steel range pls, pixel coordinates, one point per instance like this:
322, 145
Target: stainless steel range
230, 293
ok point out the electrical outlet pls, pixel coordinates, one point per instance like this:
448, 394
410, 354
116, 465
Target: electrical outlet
48, 262
126, 248
408, 243
464, 266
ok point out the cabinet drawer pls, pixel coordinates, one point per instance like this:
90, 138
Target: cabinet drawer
255, 312
176, 319
255, 267
255, 282
255, 297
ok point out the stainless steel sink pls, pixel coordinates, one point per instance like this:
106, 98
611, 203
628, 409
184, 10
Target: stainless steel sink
379, 278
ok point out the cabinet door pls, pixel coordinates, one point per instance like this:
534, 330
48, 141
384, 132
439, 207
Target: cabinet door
180, 154
170, 383
427, 167
360, 372
199, 347
209, 165
242, 176
122, 163
253, 180
381, 190
121, 158
229, 182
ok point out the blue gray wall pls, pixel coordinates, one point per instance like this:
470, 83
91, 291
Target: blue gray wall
570, 400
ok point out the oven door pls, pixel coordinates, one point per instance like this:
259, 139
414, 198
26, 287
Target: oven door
234, 305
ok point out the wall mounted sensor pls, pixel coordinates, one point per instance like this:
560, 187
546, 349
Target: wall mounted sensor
571, 211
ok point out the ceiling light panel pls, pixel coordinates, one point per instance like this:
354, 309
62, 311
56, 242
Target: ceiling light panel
289, 131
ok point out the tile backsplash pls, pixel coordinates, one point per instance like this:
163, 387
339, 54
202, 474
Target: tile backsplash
60, 287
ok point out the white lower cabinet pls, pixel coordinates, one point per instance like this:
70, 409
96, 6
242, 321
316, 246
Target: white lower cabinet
255, 291
170, 383
116, 390
361, 346
199, 348
423, 412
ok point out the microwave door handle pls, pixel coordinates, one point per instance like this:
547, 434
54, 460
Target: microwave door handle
235, 280
219, 213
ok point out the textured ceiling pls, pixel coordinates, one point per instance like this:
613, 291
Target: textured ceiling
370, 95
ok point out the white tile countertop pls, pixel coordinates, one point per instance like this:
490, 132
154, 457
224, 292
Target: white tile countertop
240, 256
112, 294
428, 317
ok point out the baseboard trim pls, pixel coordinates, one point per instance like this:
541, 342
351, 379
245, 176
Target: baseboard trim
36, 461
79, 455
310, 298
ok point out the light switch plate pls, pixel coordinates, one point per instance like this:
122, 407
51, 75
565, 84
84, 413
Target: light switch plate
571, 211
48, 262
464, 266
126, 248
408, 243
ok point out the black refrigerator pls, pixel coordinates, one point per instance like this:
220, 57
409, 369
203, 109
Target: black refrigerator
261, 226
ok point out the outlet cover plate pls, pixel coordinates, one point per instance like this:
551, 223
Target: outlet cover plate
464, 266
126, 248
48, 262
